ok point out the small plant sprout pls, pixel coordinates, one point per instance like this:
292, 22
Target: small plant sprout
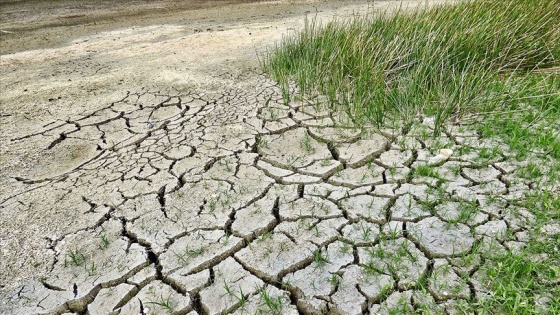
212, 204
189, 253
166, 304
242, 298
77, 258
264, 237
227, 288
307, 145
335, 280
393, 170
92, 270
345, 248
319, 258
227, 165
104, 242
273, 304
326, 162
225, 239
366, 231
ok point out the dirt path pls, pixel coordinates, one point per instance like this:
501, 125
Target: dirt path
147, 165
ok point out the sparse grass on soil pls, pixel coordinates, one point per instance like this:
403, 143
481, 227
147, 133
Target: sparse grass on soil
494, 65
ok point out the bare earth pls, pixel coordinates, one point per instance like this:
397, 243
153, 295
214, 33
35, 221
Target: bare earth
148, 166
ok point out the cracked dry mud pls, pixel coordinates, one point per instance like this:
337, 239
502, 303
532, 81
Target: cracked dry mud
215, 199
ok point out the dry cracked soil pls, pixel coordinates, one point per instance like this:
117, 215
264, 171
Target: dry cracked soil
149, 167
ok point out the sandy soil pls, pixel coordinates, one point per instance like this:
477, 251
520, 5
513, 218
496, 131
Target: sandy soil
52, 69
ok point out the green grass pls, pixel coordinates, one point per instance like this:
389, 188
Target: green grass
517, 280
491, 65
482, 58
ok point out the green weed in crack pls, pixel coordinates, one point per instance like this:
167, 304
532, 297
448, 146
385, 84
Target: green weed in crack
225, 239
392, 170
212, 204
467, 211
313, 228
486, 154
326, 163
402, 307
263, 143
531, 171
242, 299
264, 237
345, 248
335, 280
391, 233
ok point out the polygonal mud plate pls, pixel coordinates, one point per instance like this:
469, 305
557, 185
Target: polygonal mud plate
367, 175
274, 254
441, 239
365, 207
199, 250
294, 148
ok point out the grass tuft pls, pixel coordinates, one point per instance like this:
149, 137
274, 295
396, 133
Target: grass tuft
474, 58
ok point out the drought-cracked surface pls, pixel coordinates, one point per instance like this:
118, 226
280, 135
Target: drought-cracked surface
224, 199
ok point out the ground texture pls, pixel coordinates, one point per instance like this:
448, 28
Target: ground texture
138, 191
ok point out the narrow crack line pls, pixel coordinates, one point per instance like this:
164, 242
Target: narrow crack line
216, 260
300, 190
275, 283
60, 138
161, 200
42, 133
63, 176
51, 287
276, 210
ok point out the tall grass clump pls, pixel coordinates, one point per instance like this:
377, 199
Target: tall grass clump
447, 61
